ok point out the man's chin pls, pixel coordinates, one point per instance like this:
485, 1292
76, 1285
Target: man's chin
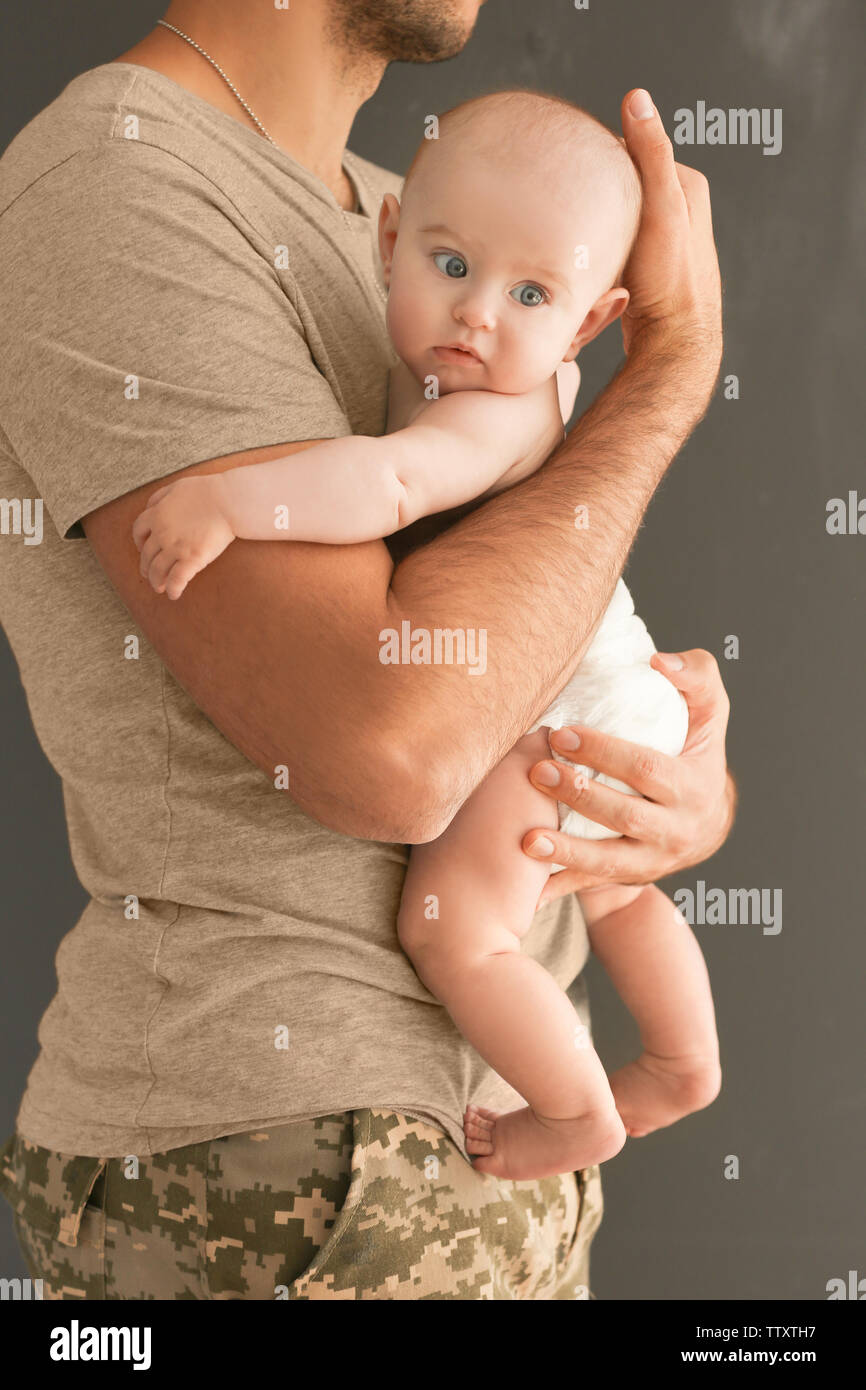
408, 31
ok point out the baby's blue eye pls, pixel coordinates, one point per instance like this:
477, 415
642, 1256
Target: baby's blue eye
454, 266
529, 289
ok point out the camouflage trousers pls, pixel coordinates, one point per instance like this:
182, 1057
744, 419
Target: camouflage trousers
365, 1204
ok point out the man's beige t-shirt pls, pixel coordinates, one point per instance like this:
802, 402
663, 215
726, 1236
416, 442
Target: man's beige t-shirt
177, 289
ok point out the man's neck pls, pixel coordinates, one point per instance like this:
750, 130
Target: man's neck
302, 84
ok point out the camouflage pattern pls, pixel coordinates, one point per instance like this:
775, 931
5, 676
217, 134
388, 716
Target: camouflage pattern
366, 1204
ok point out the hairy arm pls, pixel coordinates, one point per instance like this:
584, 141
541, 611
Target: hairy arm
520, 568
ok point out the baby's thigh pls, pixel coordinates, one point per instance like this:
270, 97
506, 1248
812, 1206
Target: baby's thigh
484, 887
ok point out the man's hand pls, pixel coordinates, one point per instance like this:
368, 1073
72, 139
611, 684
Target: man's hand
685, 805
672, 276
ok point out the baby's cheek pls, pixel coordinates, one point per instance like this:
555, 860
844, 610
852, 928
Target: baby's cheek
400, 323
407, 331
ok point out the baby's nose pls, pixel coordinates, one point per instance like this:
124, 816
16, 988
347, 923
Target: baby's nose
476, 312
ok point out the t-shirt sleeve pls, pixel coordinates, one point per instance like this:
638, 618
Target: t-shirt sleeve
146, 329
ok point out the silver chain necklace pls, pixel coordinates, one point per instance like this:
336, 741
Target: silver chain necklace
252, 115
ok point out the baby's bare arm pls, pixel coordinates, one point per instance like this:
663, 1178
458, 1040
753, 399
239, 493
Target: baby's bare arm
471, 443
361, 487
350, 490
339, 492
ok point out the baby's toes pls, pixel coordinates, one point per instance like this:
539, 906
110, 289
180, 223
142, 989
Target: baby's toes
491, 1116
478, 1129
482, 1120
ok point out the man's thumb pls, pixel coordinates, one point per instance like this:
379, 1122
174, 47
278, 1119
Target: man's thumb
639, 105
648, 145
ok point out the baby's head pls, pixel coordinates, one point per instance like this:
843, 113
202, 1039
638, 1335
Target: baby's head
513, 231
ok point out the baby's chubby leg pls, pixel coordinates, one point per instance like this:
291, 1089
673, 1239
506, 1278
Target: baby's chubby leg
653, 959
468, 899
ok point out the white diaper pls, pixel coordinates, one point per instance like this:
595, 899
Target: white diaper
616, 690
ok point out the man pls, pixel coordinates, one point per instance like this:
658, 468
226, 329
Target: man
243, 1089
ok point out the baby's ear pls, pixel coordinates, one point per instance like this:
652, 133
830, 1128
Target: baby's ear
606, 309
389, 221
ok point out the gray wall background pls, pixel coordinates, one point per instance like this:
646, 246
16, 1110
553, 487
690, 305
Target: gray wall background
734, 543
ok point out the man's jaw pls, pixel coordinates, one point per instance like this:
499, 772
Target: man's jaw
403, 31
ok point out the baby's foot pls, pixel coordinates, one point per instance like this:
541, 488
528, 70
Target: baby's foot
521, 1145
657, 1091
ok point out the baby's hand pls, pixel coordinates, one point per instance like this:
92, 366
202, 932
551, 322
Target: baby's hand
183, 528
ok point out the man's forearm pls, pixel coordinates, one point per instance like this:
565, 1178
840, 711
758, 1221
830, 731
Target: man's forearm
534, 568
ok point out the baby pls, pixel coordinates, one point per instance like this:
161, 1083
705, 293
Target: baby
502, 261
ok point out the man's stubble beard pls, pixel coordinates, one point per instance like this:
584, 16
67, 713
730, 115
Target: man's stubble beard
401, 31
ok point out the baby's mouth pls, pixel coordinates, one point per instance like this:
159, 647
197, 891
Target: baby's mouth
457, 354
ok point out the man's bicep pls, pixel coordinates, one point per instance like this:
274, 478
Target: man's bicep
274, 642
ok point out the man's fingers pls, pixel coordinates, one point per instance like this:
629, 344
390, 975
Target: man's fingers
696, 673
700, 681
606, 861
634, 816
696, 189
651, 150
649, 772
